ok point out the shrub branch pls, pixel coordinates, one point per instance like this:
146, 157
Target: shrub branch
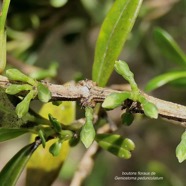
88, 93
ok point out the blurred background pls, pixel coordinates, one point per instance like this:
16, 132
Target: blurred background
46, 32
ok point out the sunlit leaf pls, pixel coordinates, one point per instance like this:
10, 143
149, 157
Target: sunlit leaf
169, 47
114, 32
7, 134
181, 149
115, 99
13, 169
116, 144
163, 79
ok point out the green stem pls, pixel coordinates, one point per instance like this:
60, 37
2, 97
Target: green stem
3, 16
4, 13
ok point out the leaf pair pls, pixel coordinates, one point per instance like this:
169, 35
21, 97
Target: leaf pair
116, 99
116, 144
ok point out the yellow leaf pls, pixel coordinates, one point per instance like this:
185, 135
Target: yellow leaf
43, 168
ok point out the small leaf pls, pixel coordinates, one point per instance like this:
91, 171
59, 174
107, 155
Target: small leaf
66, 135
181, 149
114, 32
55, 148
42, 137
116, 144
87, 134
115, 99
74, 141
13, 169
127, 118
16, 75
163, 79
23, 107
150, 109
55, 123
129, 144
58, 3
123, 69
14, 89
44, 94
169, 47
7, 134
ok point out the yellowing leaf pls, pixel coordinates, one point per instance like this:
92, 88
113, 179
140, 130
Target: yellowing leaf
43, 168
64, 113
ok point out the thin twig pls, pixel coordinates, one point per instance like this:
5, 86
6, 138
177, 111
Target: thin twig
89, 94
87, 162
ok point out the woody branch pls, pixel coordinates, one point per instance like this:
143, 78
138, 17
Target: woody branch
88, 93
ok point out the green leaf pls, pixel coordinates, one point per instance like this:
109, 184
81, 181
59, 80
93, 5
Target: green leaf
7, 134
44, 94
23, 107
163, 79
115, 99
46, 73
114, 32
16, 75
87, 133
149, 108
116, 144
13, 169
14, 89
66, 135
181, 149
58, 3
3, 15
169, 47
127, 118
55, 148
123, 69
55, 123
42, 137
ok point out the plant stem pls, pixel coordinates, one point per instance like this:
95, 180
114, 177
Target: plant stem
3, 15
